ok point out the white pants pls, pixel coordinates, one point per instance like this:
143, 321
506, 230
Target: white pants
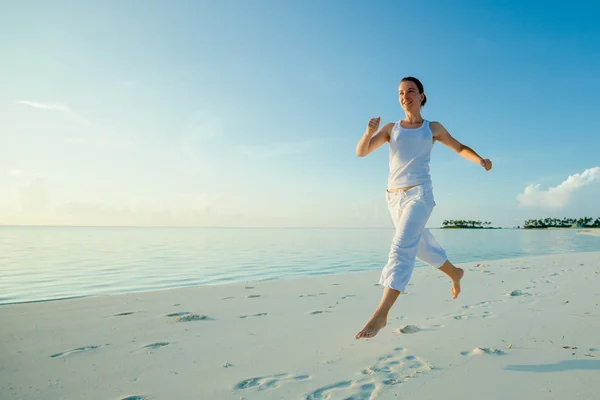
410, 211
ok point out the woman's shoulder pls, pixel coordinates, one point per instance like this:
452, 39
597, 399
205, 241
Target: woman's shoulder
390, 126
435, 125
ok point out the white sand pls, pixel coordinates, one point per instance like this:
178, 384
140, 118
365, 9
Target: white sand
592, 232
296, 340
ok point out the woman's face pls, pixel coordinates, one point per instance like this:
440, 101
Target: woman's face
409, 97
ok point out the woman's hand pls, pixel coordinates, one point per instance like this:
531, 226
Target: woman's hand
486, 164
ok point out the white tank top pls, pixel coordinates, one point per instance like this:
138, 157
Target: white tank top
410, 151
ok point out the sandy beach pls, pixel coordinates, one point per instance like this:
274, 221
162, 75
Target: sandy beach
592, 232
522, 328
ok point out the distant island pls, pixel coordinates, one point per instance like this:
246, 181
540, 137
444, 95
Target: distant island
544, 223
466, 224
585, 222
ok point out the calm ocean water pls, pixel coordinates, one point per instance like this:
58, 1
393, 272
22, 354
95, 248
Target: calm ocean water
44, 263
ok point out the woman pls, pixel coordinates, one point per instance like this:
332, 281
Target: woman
410, 196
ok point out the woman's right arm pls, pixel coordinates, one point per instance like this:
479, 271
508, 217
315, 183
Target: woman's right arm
368, 142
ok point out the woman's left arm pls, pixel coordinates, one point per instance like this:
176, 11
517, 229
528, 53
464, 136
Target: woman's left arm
443, 136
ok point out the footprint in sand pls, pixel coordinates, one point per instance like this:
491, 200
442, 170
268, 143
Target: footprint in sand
477, 351
517, 293
261, 383
191, 317
254, 315
177, 314
475, 312
389, 370
487, 303
484, 314
124, 313
409, 329
156, 345
479, 267
186, 316
459, 317
400, 367
358, 391
77, 350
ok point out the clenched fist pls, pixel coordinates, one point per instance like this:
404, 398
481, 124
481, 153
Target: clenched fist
373, 125
486, 164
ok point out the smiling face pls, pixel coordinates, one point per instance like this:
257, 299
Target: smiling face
409, 97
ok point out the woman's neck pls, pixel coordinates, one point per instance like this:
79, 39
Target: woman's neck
413, 118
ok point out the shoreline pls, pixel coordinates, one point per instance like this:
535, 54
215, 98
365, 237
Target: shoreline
524, 327
245, 281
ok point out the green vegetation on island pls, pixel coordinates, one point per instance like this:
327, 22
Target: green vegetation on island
465, 224
585, 222
544, 223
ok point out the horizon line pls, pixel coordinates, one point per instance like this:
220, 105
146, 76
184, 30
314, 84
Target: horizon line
209, 226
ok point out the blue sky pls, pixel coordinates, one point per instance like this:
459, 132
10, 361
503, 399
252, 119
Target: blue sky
248, 113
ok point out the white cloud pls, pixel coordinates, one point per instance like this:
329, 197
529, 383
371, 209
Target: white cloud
45, 106
560, 195
58, 107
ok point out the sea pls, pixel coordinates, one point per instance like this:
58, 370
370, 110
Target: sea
52, 263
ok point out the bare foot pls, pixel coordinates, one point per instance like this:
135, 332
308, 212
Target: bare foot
372, 327
456, 283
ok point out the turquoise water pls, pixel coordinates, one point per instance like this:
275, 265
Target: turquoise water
44, 263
